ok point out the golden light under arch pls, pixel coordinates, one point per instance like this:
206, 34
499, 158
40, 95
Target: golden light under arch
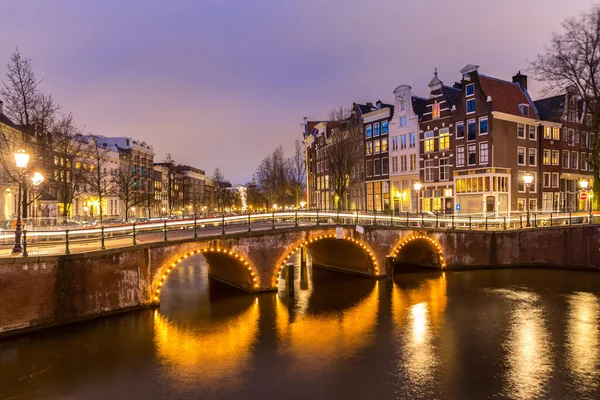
431, 241
165, 271
303, 243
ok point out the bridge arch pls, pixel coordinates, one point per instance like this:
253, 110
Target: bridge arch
309, 243
212, 256
419, 250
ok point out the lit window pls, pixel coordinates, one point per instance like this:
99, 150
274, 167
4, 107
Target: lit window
547, 132
470, 89
483, 126
435, 112
384, 144
483, 153
444, 139
555, 155
429, 142
376, 146
460, 130
369, 148
555, 134
470, 106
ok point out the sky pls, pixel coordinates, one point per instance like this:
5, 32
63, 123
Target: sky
221, 83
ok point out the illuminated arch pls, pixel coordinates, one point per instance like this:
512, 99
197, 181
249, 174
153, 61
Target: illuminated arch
164, 272
434, 244
304, 243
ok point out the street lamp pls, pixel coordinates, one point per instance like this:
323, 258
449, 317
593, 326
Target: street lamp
21, 160
528, 179
417, 186
36, 180
584, 184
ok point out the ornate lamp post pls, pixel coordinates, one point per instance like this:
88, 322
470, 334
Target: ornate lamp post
417, 186
21, 160
584, 184
528, 179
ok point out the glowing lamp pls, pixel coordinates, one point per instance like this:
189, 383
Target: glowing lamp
528, 178
417, 186
37, 178
21, 159
584, 184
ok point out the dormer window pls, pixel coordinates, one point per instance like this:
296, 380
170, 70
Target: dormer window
470, 89
524, 109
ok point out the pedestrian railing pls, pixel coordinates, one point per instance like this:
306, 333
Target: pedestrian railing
40, 242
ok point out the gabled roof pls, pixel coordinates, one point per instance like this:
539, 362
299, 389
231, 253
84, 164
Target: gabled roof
506, 96
551, 108
364, 108
451, 94
7, 121
418, 104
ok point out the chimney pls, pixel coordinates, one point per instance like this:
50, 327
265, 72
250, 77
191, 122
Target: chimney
521, 80
369, 105
1, 107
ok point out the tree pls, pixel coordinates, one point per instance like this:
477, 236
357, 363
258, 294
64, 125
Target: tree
223, 196
572, 60
67, 172
254, 198
343, 153
99, 177
125, 185
296, 171
272, 177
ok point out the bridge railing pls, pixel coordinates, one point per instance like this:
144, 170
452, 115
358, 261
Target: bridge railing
41, 242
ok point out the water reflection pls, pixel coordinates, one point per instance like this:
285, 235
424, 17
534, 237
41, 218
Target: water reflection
583, 342
417, 310
318, 342
211, 354
527, 346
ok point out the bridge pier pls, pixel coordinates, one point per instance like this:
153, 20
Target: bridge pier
289, 279
303, 270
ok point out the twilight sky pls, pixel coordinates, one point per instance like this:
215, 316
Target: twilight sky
222, 82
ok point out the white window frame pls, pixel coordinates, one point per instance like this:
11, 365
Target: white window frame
524, 156
549, 175
558, 158
487, 153
566, 165
456, 130
466, 90
458, 162
474, 146
467, 106
534, 132
552, 180
575, 160
524, 131
488, 126
534, 156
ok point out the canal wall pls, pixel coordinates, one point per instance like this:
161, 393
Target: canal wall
44, 291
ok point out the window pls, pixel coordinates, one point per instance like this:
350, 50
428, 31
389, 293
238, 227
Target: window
520, 182
429, 142
532, 132
571, 137
566, 164
564, 134
376, 131
460, 130
435, 110
555, 134
471, 130
555, 180
377, 164
394, 164
532, 157
402, 104
385, 165
376, 146
521, 155
369, 148
444, 169
403, 166
483, 153
384, 144
572, 116
384, 127
444, 139
546, 180
483, 126
470, 89
588, 119
403, 121
592, 140
577, 136
395, 143
521, 204
575, 160
402, 142
413, 162
583, 162
547, 132
521, 131
471, 150
369, 131
470, 106
428, 170
525, 110
555, 156
460, 156
584, 140
412, 139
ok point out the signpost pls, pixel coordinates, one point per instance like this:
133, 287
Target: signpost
583, 196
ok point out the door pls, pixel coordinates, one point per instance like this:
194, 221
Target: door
490, 204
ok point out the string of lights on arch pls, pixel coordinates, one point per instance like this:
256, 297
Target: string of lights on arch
305, 243
433, 243
216, 250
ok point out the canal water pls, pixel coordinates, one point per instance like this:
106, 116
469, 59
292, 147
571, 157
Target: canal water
492, 334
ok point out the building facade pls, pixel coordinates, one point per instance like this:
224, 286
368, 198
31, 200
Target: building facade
376, 161
404, 149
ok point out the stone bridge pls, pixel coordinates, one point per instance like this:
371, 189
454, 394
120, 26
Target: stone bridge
40, 291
